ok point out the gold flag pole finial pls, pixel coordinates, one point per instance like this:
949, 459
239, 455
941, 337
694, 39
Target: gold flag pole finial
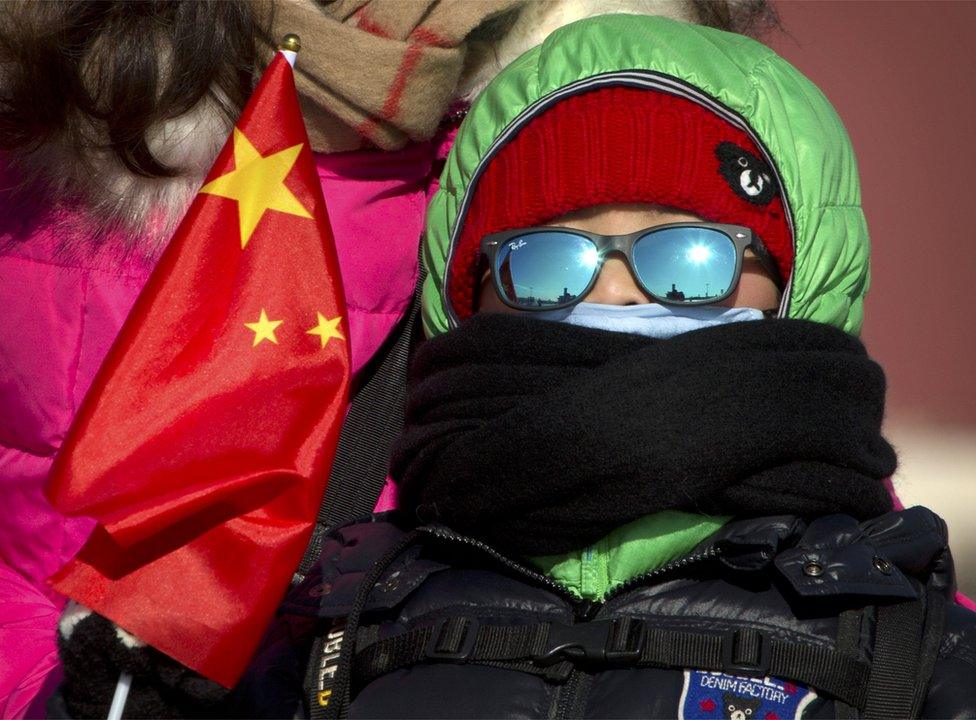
290, 42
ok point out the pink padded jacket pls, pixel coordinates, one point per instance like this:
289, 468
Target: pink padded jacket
59, 313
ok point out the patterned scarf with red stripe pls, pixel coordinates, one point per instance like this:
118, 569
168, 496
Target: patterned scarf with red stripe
378, 72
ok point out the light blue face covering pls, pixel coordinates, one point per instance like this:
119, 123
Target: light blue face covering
650, 319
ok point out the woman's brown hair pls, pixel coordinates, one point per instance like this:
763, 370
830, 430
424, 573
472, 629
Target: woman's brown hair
97, 74
747, 17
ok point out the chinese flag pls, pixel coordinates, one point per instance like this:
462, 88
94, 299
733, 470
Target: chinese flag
203, 446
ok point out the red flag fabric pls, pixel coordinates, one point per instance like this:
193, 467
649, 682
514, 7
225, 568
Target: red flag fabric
203, 446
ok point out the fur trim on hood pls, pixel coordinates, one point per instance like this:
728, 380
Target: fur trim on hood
132, 213
500, 41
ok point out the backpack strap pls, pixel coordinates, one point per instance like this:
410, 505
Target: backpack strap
849, 624
907, 639
932, 635
372, 424
552, 649
329, 674
893, 685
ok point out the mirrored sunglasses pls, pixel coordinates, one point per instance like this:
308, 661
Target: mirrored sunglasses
547, 268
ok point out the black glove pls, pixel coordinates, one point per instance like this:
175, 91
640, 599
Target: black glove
95, 652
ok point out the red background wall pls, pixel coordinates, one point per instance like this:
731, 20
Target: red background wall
902, 76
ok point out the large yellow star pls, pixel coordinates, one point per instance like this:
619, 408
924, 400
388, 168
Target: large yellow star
327, 329
264, 329
257, 183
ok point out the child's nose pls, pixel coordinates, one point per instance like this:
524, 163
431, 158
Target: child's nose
615, 285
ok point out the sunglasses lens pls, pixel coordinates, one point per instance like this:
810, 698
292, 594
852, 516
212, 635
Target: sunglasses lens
542, 269
686, 265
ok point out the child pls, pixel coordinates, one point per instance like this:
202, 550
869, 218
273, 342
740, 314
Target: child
684, 518
653, 523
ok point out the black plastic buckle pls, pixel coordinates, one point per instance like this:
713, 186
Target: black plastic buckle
459, 651
756, 666
626, 642
614, 642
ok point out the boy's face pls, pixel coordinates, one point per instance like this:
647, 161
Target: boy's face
616, 285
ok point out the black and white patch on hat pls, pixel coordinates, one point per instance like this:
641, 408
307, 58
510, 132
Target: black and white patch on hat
749, 177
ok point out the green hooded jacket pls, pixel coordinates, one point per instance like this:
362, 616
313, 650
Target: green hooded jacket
790, 120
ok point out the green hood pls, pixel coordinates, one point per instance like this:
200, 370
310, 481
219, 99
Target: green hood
738, 77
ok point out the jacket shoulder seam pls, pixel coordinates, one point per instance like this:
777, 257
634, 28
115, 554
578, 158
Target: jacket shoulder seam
754, 80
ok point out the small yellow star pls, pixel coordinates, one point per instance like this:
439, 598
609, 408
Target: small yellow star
264, 329
257, 183
327, 329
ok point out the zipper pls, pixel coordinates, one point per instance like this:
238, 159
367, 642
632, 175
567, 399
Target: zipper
679, 564
587, 610
583, 610
311, 555
444, 534
633, 78
568, 695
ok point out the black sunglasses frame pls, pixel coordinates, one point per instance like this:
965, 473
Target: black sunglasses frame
742, 237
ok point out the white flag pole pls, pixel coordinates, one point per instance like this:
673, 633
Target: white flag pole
121, 695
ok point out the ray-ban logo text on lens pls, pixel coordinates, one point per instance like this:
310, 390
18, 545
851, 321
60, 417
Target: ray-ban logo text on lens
519, 244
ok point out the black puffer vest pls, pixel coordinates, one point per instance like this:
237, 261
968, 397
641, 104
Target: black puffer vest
770, 618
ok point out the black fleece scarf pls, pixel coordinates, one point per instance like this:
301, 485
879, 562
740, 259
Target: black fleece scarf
540, 437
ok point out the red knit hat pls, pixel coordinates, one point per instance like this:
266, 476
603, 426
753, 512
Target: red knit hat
621, 145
